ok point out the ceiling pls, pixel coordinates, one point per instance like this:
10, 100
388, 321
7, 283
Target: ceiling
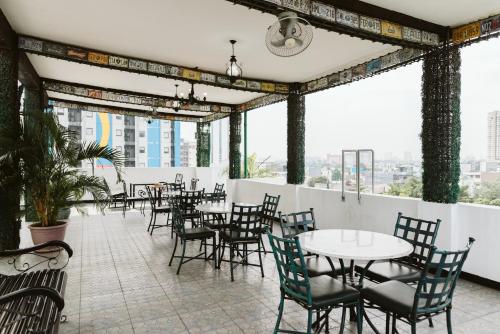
196, 33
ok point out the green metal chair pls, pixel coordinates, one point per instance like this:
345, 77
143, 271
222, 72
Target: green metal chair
316, 294
432, 295
294, 223
422, 235
186, 235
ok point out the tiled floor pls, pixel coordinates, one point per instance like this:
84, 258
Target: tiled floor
120, 282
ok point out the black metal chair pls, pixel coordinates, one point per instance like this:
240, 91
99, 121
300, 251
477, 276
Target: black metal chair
155, 210
188, 201
269, 209
120, 197
422, 235
178, 178
194, 183
215, 221
244, 229
171, 187
316, 294
218, 189
294, 223
186, 235
432, 295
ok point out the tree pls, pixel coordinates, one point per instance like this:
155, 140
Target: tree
336, 175
316, 179
411, 188
488, 193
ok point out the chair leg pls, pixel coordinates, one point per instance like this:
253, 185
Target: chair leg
204, 242
448, 320
150, 221
309, 321
280, 313
394, 329
154, 224
214, 251
222, 247
173, 253
182, 257
359, 320
231, 255
414, 328
431, 324
342, 320
260, 262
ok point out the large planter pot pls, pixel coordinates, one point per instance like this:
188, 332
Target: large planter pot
41, 234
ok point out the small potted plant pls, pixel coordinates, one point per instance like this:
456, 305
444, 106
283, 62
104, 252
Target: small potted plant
49, 156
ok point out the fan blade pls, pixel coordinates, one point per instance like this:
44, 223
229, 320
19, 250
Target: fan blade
279, 43
299, 42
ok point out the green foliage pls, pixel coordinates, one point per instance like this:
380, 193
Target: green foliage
317, 179
296, 138
411, 188
203, 144
488, 193
234, 145
441, 125
464, 196
255, 170
336, 175
49, 155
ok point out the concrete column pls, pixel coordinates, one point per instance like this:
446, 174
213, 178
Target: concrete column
441, 125
296, 107
9, 126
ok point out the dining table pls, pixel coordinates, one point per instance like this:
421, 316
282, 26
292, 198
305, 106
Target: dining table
364, 247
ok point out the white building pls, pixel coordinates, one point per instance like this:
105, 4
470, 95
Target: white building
494, 136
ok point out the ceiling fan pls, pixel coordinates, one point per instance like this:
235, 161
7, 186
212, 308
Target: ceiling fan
289, 36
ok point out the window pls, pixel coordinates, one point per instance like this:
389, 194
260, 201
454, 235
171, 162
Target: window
142, 134
74, 115
60, 111
129, 163
130, 135
119, 132
166, 164
90, 114
166, 150
142, 149
129, 120
77, 130
89, 131
130, 151
119, 148
166, 135
118, 116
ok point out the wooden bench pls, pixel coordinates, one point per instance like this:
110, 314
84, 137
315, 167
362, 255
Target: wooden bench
31, 295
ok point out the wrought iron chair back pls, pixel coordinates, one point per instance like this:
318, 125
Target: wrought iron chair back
421, 234
194, 183
178, 222
294, 279
151, 197
298, 222
269, 208
178, 178
190, 199
175, 186
216, 197
246, 222
439, 278
218, 188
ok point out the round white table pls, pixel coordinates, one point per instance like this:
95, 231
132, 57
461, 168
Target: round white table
219, 208
354, 245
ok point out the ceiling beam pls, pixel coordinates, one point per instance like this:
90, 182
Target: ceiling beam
359, 19
114, 61
104, 108
129, 97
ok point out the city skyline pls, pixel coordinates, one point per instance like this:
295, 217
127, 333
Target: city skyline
360, 116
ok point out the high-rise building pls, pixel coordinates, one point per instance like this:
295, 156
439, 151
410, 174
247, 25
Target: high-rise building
154, 143
188, 153
494, 136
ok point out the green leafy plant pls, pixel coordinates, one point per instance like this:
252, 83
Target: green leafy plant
49, 155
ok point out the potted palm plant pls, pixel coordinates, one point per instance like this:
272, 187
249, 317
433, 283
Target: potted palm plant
49, 156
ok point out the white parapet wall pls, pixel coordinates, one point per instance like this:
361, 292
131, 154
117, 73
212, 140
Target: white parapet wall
379, 212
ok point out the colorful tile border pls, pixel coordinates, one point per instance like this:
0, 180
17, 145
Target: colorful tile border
474, 30
108, 60
128, 97
126, 112
326, 12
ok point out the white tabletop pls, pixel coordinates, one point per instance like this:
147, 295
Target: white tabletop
214, 207
354, 244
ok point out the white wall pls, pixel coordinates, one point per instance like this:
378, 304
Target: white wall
379, 212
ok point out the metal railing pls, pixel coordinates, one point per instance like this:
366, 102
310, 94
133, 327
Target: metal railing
358, 170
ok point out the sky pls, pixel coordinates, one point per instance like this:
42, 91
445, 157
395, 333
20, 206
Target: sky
382, 112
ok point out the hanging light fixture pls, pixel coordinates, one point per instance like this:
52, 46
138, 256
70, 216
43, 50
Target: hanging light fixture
234, 69
192, 99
